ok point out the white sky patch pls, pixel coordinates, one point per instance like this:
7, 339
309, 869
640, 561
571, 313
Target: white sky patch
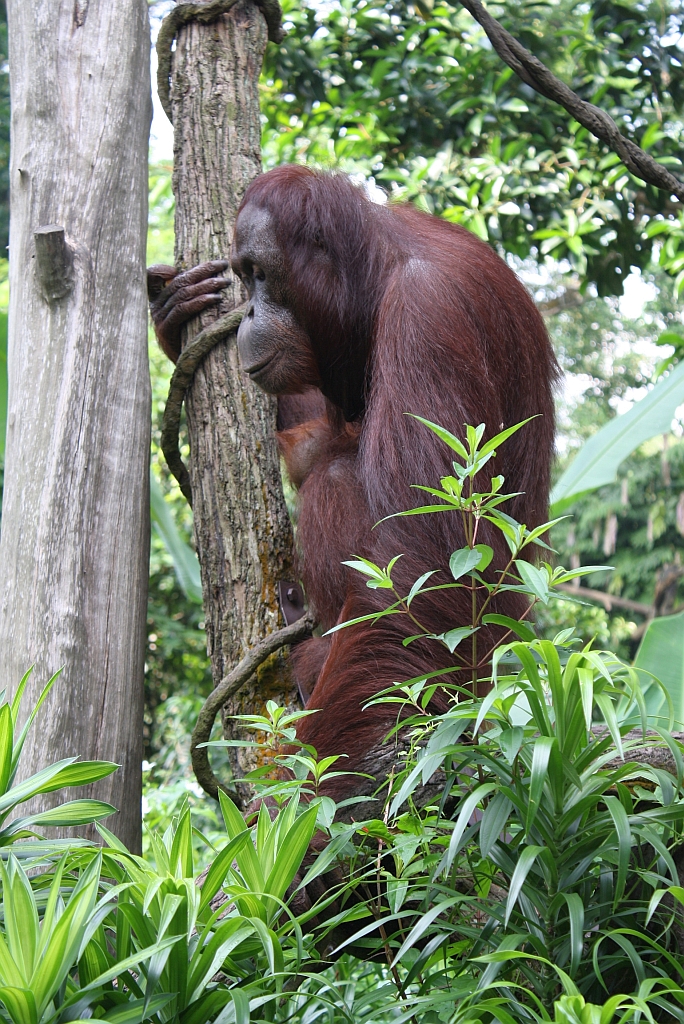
161, 133
637, 293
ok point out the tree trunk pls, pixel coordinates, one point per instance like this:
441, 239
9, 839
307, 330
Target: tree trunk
75, 519
242, 530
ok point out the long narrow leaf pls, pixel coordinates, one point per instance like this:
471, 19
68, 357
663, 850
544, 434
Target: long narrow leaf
598, 460
522, 870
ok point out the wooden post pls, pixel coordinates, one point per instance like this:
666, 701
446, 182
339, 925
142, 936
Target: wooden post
243, 533
75, 520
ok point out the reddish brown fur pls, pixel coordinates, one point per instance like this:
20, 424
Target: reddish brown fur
406, 313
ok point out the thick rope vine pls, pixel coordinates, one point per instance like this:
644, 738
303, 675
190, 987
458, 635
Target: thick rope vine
535, 74
229, 685
205, 13
188, 362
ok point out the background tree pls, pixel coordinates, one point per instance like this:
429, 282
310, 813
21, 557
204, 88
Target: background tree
422, 102
75, 529
243, 533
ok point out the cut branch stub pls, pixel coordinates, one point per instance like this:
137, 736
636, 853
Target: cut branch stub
54, 262
205, 13
188, 362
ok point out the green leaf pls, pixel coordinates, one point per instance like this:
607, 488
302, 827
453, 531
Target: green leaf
444, 435
534, 579
464, 561
246, 857
415, 589
494, 821
180, 858
522, 870
599, 459
486, 555
543, 748
576, 916
467, 808
129, 962
291, 853
185, 561
423, 924
510, 741
71, 813
624, 850
6, 746
33, 785
220, 866
21, 919
498, 439
520, 629
82, 773
132, 1012
453, 637
661, 652
18, 746
20, 1003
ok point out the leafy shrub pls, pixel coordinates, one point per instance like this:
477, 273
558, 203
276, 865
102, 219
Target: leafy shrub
535, 879
64, 774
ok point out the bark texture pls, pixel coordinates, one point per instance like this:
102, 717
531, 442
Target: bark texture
242, 530
75, 525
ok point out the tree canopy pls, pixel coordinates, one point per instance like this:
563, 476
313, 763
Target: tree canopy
416, 97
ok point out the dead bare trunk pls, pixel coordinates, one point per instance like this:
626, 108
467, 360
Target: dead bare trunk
75, 525
243, 533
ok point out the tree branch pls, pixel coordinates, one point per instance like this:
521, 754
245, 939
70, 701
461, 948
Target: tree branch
535, 74
607, 600
229, 686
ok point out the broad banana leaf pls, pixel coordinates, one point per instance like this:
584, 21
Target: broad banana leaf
598, 460
661, 653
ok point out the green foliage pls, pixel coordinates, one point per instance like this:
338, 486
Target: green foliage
610, 360
661, 654
67, 773
457, 494
3, 385
524, 868
599, 459
184, 558
420, 100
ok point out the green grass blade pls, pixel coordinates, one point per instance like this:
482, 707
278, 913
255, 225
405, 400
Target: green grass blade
34, 711
6, 746
539, 771
624, 837
291, 853
220, 866
21, 1005
576, 917
522, 870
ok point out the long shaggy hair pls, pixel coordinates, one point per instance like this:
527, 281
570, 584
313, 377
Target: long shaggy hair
406, 313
